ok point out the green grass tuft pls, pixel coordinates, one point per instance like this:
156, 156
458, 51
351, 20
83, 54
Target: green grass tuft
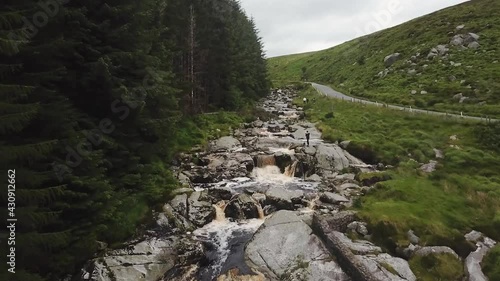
443, 267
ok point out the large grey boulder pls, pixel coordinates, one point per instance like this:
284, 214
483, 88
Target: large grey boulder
258, 124
377, 266
221, 193
174, 219
200, 212
331, 158
285, 248
470, 37
473, 45
179, 204
457, 40
361, 259
474, 236
345, 144
333, 198
310, 150
242, 207
435, 250
225, 166
224, 144
432, 53
359, 227
442, 49
359, 247
474, 36
391, 59
414, 239
314, 178
429, 167
282, 198
148, 260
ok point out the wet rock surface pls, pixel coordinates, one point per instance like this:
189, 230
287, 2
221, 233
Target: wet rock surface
258, 205
285, 246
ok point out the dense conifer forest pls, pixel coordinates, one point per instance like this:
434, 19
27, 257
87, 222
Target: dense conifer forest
93, 95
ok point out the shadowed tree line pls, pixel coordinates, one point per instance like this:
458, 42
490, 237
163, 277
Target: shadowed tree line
92, 97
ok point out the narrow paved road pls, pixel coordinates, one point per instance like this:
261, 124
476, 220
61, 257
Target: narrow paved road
327, 91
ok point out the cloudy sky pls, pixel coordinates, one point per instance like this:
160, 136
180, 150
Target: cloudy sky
296, 26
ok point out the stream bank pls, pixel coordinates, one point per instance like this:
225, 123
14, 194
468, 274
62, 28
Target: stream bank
259, 205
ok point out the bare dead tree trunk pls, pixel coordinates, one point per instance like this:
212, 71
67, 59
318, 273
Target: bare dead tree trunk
191, 56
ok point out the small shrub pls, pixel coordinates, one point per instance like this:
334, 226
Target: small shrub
384, 233
363, 151
370, 179
361, 60
489, 135
437, 267
491, 264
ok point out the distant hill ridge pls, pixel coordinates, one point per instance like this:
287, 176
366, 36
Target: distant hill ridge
447, 61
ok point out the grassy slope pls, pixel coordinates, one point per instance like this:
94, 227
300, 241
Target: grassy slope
463, 194
352, 67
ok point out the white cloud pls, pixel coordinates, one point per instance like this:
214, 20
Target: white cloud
294, 26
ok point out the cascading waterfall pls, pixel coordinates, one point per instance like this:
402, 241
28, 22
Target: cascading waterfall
290, 170
227, 239
265, 160
261, 211
271, 175
220, 216
312, 203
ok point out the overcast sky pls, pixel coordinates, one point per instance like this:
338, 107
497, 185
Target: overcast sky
296, 26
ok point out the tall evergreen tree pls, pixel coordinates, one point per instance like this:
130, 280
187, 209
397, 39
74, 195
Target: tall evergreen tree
90, 104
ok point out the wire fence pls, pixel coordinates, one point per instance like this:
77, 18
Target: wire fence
409, 109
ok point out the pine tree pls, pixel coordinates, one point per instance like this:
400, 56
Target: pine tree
128, 65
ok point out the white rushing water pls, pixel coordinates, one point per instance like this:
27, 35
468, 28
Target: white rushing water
225, 238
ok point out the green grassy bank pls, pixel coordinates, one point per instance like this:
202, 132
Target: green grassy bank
353, 67
461, 195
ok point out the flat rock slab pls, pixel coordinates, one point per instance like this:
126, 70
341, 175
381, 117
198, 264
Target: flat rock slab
361, 247
224, 144
314, 178
473, 261
283, 198
286, 246
376, 267
400, 265
436, 250
144, 261
333, 198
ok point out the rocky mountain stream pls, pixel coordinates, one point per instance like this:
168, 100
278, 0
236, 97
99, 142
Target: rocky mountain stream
261, 205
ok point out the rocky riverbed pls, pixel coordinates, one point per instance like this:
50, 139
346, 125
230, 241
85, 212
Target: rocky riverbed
262, 205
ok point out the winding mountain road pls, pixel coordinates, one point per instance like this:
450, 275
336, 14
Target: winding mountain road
327, 91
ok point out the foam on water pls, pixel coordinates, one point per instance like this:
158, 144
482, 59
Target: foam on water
270, 174
221, 234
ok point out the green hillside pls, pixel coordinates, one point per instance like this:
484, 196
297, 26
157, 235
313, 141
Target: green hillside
421, 77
